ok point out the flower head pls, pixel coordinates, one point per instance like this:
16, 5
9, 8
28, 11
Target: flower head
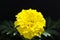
30, 23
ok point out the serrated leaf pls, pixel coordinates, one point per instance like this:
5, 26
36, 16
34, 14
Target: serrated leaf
4, 31
2, 27
49, 23
11, 24
54, 32
56, 25
46, 34
8, 27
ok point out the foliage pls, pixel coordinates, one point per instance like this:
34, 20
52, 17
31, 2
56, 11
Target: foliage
8, 32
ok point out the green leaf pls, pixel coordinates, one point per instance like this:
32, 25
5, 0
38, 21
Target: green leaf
56, 25
54, 32
2, 27
7, 27
46, 34
49, 23
53, 27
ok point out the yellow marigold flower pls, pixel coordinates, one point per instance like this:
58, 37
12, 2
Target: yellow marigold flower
30, 23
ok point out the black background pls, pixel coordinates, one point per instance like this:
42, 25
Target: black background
9, 8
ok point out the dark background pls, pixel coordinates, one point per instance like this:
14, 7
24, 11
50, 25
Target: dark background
9, 8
